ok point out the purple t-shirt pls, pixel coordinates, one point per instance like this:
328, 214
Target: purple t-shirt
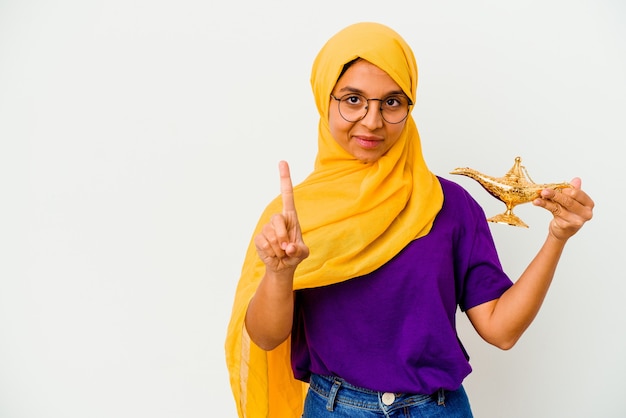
394, 330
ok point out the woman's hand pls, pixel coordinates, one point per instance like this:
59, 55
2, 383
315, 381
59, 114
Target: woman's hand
571, 208
269, 318
279, 244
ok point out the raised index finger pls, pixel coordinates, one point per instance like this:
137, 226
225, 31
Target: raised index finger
286, 188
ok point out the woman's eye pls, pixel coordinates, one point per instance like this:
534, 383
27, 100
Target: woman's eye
393, 102
353, 99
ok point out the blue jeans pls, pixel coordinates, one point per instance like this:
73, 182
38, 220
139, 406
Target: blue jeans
332, 397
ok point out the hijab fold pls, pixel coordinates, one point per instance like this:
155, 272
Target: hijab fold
354, 218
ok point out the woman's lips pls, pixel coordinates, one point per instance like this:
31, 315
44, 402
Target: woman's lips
368, 142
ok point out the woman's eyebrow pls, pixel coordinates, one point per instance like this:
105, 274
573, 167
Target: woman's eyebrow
349, 89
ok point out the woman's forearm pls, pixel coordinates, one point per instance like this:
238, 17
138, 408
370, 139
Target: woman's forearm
503, 321
269, 318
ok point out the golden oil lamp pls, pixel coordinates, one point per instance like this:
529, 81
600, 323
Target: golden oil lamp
513, 189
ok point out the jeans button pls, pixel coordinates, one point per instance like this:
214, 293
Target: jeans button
388, 398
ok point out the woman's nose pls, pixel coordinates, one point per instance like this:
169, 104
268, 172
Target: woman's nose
373, 119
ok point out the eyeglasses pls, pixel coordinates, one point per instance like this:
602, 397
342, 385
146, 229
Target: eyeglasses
353, 107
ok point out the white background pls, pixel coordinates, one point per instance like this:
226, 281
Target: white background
139, 142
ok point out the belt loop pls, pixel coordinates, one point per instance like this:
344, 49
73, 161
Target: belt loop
330, 405
441, 397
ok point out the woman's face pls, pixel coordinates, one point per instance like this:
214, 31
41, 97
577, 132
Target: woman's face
371, 137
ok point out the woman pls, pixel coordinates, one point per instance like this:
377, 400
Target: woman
347, 298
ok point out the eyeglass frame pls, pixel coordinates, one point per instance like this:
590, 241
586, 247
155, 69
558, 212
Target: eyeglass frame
367, 107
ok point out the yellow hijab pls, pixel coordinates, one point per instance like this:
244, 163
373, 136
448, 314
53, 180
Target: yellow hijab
354, 218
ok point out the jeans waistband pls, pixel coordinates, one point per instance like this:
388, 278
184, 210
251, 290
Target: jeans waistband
338, 390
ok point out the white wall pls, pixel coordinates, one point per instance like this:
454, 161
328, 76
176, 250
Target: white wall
139, 142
